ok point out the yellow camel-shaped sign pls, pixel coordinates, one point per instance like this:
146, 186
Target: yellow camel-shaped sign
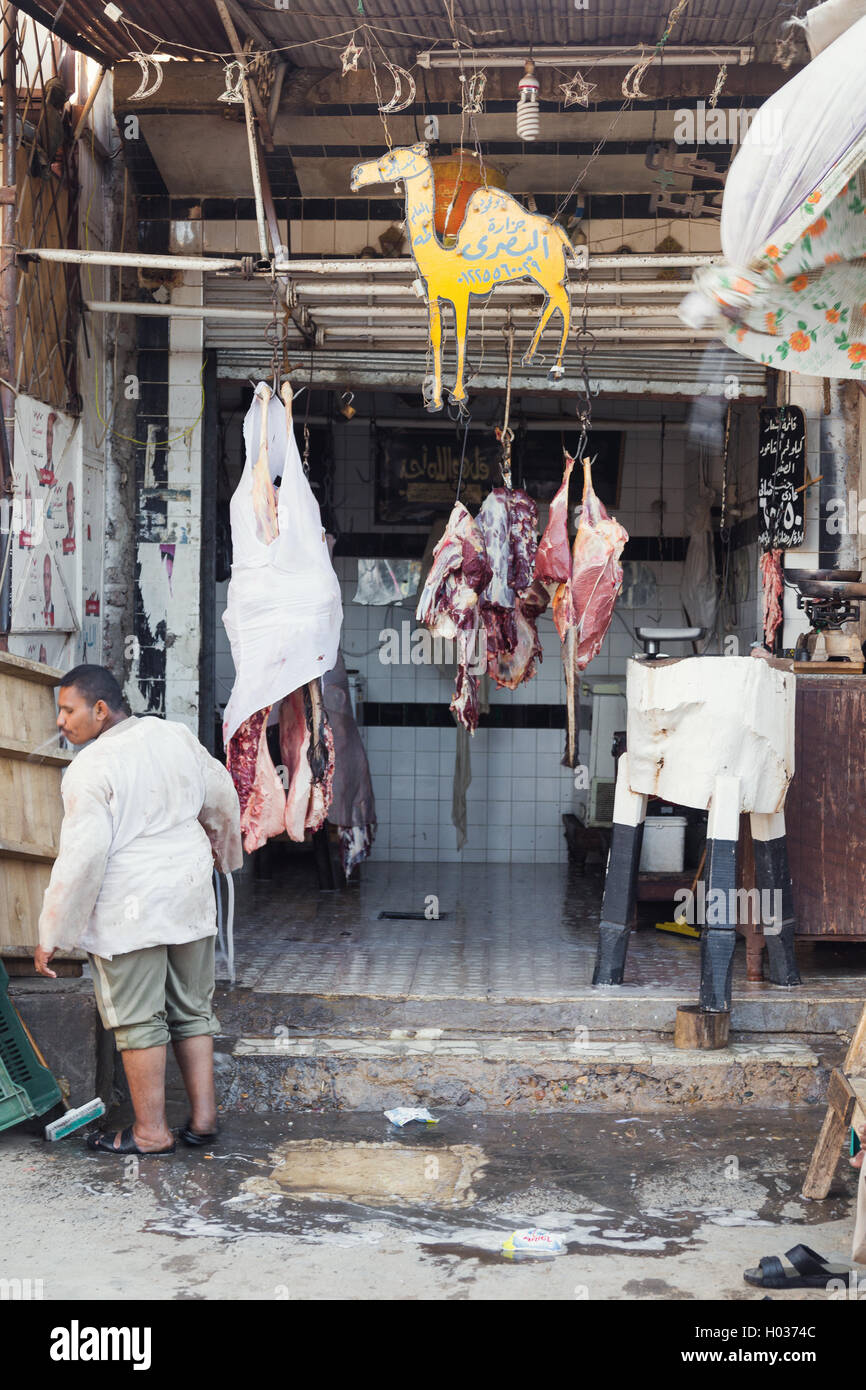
498, 241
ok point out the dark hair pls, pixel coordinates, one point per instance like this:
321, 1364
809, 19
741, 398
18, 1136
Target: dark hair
95, 683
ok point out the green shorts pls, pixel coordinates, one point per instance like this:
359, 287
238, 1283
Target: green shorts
158, 994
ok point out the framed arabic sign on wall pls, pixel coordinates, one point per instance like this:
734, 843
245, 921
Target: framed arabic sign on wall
416, 469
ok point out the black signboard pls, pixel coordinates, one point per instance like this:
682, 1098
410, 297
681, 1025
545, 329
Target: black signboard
417, 469
781, 477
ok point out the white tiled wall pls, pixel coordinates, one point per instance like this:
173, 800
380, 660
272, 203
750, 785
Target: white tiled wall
519, 789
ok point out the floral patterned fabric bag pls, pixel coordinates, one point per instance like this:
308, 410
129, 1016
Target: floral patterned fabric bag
792, 291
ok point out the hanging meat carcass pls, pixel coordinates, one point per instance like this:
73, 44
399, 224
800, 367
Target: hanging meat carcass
587, 584
772, 584
508, 522
283, 618
260, 791
448, 605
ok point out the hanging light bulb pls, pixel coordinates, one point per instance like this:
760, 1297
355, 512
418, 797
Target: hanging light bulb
527, 106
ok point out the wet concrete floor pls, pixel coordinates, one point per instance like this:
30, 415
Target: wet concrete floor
348, 1206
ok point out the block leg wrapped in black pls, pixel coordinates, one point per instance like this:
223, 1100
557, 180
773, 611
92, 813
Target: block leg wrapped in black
618, 905
776, 895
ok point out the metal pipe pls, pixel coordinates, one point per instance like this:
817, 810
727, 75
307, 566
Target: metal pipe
838, 465
276, 92
350, 266
255, 171
177, 311
389, 289
88, 105
133, 259
393, 312
405, 264
647, 335
605, 56
242, 56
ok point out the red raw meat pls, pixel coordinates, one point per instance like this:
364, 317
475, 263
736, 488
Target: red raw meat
259, 789
596, 573
307, 751
448, 604
458, 573
553, 561
588, 582
772, 584
508, 522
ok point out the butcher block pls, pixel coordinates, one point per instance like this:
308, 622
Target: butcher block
31, 765
825, 811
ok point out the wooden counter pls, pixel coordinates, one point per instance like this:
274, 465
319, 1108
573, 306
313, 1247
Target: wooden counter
31, 764
825, 811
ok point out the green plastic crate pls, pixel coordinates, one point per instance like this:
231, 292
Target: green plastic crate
14, 1101
21, 1067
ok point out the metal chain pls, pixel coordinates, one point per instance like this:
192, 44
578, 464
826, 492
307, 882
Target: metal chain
276, 333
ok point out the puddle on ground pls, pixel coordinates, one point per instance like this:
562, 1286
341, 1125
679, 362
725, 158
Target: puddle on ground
376, 1173
647, 1185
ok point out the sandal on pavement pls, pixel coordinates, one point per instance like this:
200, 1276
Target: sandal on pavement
195, 1140
798, 1268
104, 1143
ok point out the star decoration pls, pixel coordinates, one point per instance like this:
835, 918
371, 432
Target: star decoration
577, 90
350, 55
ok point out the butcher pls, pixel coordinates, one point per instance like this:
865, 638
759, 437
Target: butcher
147, 813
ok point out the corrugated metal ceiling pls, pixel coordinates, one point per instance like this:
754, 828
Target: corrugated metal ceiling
192, 27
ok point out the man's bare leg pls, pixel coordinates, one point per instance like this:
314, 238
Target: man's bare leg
145, 1073
195, 1059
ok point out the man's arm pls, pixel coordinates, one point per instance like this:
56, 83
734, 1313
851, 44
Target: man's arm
78, 871
220, 814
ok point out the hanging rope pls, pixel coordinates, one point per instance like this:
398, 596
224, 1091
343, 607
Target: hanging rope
466, 419
505, 435
631, 87
662, 490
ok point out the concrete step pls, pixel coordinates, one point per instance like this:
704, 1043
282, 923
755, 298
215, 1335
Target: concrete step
511, 1072
758, 1009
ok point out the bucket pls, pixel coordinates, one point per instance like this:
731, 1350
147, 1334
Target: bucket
460, 170
663, 849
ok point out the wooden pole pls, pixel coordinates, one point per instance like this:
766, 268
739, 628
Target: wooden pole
242, 57
8, 298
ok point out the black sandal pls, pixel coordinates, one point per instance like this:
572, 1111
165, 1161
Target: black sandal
104, 1143
195, 1140
798, 1268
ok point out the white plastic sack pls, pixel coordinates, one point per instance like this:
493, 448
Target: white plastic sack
799, 133
284, 612
793, 234
699, 589
824, 23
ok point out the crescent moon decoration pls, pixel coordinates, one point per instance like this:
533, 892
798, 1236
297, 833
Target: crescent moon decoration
145, 62
631, 87
233, 93
396, 103
473, 93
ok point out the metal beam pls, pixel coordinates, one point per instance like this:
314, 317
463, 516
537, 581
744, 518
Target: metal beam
395, 312
133, 260
651, 260
391, 333
393, 289
148, 309
373, 376
242, 57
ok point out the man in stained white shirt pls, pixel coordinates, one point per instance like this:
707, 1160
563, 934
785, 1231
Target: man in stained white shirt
147, 813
